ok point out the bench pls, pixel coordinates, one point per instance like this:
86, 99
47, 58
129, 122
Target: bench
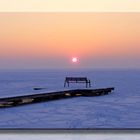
77, 80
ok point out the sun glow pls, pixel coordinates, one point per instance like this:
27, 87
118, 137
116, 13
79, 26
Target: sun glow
74, 59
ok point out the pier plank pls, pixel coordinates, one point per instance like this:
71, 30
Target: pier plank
35, 98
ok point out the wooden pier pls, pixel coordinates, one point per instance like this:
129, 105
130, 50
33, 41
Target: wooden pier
42, 97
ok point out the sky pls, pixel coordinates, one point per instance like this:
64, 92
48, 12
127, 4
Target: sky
70, 5
30, 38
51, 39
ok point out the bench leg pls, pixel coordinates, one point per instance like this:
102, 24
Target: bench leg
89, 84
64, 84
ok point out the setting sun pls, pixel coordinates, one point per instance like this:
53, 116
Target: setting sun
74, 59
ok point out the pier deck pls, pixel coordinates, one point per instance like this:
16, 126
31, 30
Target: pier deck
42, 97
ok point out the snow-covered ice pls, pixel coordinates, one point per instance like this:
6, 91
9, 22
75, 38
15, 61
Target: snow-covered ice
120, 109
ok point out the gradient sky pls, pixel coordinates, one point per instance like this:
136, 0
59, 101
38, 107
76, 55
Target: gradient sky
69, 5
50, 40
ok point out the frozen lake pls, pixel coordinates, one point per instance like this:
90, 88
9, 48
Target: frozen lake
120, 109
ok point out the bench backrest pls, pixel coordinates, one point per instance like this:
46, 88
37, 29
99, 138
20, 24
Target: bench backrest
76, 79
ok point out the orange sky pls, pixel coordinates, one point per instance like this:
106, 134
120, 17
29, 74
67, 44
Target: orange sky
44, 40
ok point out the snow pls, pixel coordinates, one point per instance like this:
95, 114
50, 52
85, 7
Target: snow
70, 136
119, 109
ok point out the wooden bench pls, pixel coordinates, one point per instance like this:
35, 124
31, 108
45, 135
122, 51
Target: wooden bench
77, 80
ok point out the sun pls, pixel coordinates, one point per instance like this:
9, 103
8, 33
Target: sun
74, 59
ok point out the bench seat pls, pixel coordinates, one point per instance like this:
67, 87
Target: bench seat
77, 80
